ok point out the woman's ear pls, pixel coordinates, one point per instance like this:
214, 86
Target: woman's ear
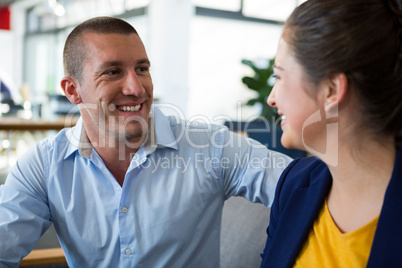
70, 88
336, 91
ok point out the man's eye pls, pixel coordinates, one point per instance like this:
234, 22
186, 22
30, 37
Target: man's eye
112, 72
143, 69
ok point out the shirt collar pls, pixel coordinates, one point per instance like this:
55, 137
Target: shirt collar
163, 129
159, 135
78, 140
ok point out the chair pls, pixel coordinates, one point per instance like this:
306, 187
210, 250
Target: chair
243, 233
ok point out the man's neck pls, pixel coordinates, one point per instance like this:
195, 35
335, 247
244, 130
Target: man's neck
117, 156
117, 151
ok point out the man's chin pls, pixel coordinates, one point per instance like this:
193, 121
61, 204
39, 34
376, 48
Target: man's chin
135, 135
134, 138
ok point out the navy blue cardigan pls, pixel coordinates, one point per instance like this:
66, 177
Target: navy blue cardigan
300, 195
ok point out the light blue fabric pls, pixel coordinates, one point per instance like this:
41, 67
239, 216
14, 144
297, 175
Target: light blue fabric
167, 214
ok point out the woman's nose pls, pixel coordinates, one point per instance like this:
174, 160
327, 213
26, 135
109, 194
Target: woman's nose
271, 98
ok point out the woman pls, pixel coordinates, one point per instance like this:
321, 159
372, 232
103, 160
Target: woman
339, 92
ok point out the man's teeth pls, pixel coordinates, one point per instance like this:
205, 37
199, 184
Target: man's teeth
283, 117
130, 108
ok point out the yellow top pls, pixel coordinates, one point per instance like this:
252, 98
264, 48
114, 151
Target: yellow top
326, 246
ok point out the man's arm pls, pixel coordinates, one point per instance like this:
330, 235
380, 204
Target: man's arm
24, 211
252, 171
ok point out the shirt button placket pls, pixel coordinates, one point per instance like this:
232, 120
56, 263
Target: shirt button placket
127, 251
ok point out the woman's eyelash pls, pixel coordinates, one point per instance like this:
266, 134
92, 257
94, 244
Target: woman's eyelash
272, 79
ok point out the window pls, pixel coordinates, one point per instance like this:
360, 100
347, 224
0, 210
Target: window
222, 34
230, 5
269, 9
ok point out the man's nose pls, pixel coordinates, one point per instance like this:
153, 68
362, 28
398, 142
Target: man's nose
133, 85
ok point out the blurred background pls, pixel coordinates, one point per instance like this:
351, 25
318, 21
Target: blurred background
196, 48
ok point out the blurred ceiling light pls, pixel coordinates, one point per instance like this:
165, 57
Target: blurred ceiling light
50, 7
57, 8
5, 143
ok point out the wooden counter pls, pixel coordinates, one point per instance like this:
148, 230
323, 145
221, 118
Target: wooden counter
14, 123
44, 256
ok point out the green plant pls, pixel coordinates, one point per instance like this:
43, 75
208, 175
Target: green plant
260, 83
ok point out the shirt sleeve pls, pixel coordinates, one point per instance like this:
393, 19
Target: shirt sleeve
249, 169
24, 210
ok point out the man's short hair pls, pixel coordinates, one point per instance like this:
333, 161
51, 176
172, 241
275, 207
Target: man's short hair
74, 54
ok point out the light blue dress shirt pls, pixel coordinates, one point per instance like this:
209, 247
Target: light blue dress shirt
168, 212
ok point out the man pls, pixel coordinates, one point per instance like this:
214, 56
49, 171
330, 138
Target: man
128, 186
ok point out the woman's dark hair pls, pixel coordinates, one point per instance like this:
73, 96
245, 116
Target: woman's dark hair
362, 39
74, 53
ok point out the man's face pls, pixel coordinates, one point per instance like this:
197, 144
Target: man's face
116, 90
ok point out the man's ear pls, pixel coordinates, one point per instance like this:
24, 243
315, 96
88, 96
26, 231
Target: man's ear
336, 90
70, 88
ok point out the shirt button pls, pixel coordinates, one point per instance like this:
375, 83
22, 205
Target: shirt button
128, 251
124, 209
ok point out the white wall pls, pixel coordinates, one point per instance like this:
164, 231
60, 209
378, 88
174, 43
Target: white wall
168, 48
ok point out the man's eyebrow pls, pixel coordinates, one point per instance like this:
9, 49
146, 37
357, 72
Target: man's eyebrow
144, 61
109, 64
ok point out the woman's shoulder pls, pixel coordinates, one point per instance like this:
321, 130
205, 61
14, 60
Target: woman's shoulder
306, 165
302, 172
